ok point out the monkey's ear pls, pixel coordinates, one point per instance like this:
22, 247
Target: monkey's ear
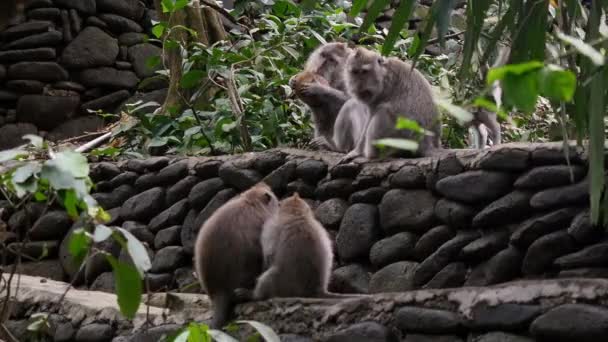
267, 197
351, 45
382, 60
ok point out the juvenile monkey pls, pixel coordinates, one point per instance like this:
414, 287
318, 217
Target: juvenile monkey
350, 124
227, 252
297, 254
391, 88
324, 93
484, 120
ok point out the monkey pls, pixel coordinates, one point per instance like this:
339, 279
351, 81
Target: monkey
391, 88
325, 93
298, 254
484, 120
227, 252
350, 124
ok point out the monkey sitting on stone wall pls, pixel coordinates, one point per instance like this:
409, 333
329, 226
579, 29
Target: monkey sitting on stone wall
227, 253
391, 89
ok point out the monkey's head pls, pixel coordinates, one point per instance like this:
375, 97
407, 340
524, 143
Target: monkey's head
261, 195
303, 78
365, 73
328, 61
294, 204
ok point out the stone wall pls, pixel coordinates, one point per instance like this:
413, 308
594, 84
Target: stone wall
461, 218
68, 57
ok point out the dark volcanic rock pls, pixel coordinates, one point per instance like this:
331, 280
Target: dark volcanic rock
504, 266
311, 170
407, 210
454, 213
116, 198
46, 112
574, 194
509, 208
432, 240
51, 226
40, 71
144, 206
104, 282
453, 275
442, 257
543, 177
91, 48
108, 77
189, 231
503, 317
181, 189
279, 178
119, 24
446, 166
204, 191
545, 250
532, 229
186, 282
350, 279
395, 277
132, 9
358, 231
503, 159
587, 272
39, 54
104, 171
167, 237
365, 331
331, 212
51, 38
207, 169
395, 248
25, 86
132, 38
94, 332
431, 321
172, 216
266, 162
348, 170
408, 177
592, 256
486, 246
241, 179
341, 187
139, 55
371, 195
107, 102
84, 6
26, 29
301, 187
502, 337
51, 14
572, 322
8, 96
140, 231
168, 259
76, 127
582, 230
475, 186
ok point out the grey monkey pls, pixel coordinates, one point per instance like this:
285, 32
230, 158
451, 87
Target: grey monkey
350, 124
227, 253
485, 123
391, 89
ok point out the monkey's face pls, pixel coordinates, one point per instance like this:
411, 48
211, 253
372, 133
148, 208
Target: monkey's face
365, 73
332, 57
303, 80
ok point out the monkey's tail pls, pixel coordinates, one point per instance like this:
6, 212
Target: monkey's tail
223, 305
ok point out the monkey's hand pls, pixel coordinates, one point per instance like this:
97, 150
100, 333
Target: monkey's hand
319, 143
312, 90
348, 157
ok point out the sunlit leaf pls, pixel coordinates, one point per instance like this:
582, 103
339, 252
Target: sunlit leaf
159, 29
69, 203
557, 84
137, 251
499, 73
521, 91
101, 233
583, 48
153, 62
411, 125
461, 114
79, 245
128, 284
402, 144
267, 333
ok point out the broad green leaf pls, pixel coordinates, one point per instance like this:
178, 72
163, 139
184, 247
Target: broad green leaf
79, 245
137, 251
180, 4
317, 36
159, 29
373, 12
357, 7
191, 79
11, 154
158, 142
101, 233
400, 19
497, 74
198, 332
461, 114
128, 285
521, 91
73, 162
153, 62
35, 140
557, 84
267, 333
411, 125
585, 49
167, 6
40, 197
69, 203
402, 144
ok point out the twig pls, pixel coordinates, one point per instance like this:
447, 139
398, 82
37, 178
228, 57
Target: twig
221, 11
448, 36
81, 137
94, 143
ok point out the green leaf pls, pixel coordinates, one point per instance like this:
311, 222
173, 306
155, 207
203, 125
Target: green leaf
79, 245
180, 4
152, 62
101, 233
40, 197
521, 91
69, 203
462, 115
402, 144
557, 84
400, 19
317, 36
267, 333
167, 6
137, 251
497, 74
128, 285
11, 154
373, 12
411, 125
191, 79
159, 29
583, 48
357, 7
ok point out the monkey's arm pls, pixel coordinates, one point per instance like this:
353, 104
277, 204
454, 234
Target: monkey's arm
324, 94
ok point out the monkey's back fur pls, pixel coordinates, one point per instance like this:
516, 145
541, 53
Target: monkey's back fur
227, 253
297, 253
